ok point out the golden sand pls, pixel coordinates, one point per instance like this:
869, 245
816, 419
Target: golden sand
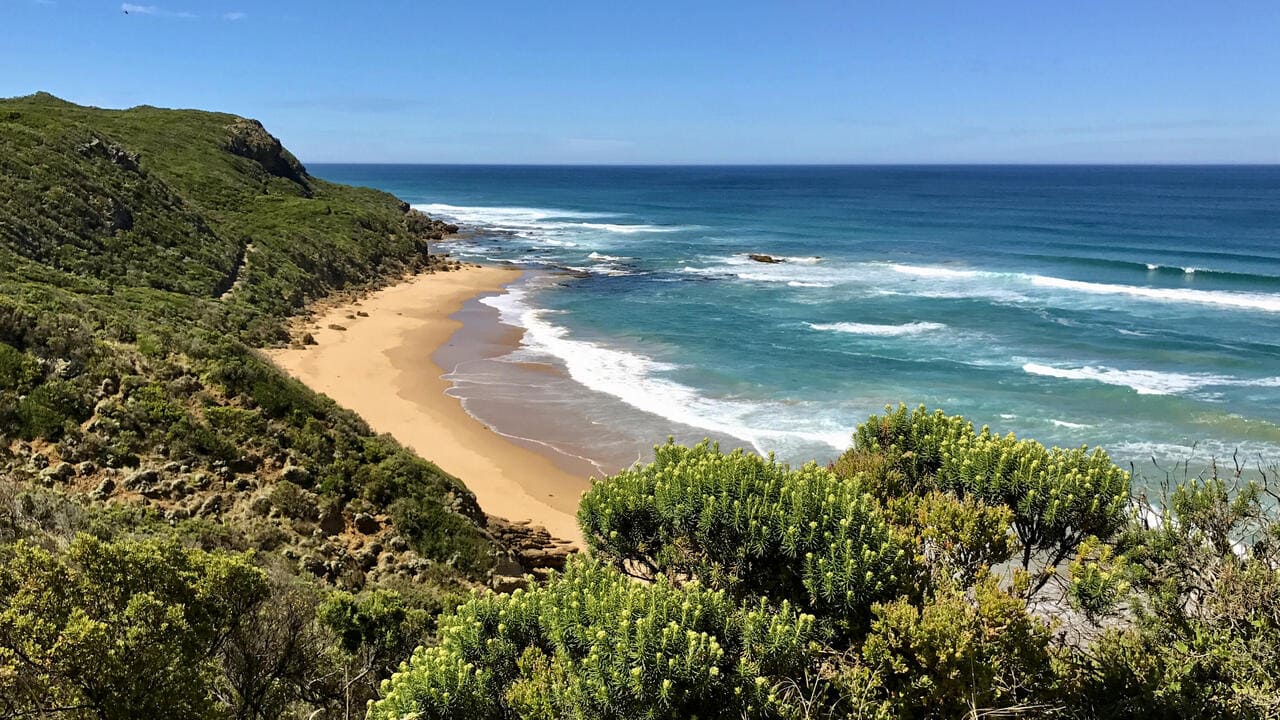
381, 367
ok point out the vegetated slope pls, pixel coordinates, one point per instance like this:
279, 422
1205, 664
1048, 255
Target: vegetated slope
143, 254
169, 200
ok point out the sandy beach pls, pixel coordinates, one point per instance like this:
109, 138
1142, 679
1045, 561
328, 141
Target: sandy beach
381, 367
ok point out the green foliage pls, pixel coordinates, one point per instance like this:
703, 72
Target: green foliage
379, 619
909, 444
18, 371
436, 532
1098, 578
592, 643
959, 656
751, 525
50, 408
1205, 577
1059, 498
122, 629
958, 538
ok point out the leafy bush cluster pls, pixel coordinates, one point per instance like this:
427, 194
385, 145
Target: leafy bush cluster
593, 643
750, 524
941, 610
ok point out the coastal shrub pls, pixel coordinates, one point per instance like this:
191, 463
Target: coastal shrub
961, 654
1205, 572
46, 412
1059, 498
119, 629
437, 533
593, 643
907, 446
752, 526
18, 370
957, 539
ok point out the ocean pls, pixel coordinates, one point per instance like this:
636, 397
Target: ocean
1132, 308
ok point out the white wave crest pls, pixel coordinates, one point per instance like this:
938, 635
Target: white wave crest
638, 381
1148, 382
606, 258
912, 328
937, 272
1266, 302
1247, 301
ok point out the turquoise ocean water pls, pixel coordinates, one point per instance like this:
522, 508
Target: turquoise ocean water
1136, 308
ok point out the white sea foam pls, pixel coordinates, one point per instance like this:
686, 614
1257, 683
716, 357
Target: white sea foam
1152, 266
1148, 382
493, 215
1247, 301
606, 258
638, 381
1070, 425
912, 328
937, 272
629, 229
1267, 302
526, 219
800, 283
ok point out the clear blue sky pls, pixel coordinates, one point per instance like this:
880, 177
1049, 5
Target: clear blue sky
535, 81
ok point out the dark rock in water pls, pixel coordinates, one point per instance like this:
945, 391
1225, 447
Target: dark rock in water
574, 272
765, 258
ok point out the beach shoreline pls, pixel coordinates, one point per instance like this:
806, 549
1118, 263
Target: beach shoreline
377, 356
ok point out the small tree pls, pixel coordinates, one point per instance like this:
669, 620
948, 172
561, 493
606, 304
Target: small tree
118, 630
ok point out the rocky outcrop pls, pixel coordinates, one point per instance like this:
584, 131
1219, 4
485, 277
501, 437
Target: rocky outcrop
532, 549
765, 258
116, 154
424, 227
250, 140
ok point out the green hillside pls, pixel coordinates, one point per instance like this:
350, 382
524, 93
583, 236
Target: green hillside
143, 254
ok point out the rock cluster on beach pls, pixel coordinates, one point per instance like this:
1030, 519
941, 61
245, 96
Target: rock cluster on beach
532, 548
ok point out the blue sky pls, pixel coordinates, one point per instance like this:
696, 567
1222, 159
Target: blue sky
538, 81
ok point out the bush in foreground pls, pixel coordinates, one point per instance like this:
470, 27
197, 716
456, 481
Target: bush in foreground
592, 643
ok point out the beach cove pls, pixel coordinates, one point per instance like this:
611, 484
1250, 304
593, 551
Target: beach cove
380, 365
